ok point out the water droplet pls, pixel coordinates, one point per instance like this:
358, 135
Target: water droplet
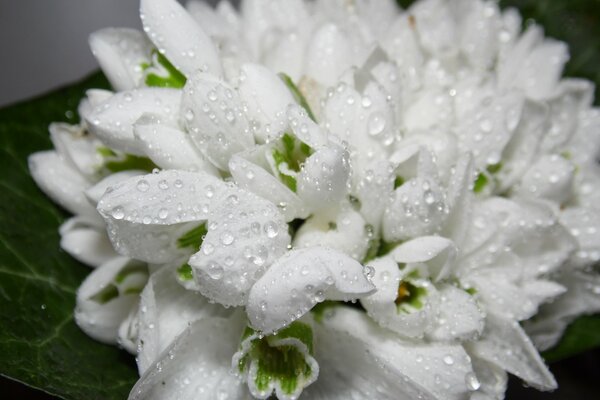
472, 381
163, 185
227, 238
271, 229
163, 213
215, 271
376, 124
448, 360
189, 114
118, 213
143, 185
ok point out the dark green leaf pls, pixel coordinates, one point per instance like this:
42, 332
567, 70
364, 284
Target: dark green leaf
581, 335
39, 342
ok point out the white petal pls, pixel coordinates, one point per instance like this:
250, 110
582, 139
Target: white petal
382, 308
459, 316
166, 310
301, 279
214, 117
61, 182
437, 252
168, 147
373, 190
506, 345
112, 120
199, 361
147, 215
551, 178
266, 98
583, 223
249, 170
435, 27
459, 198
287, 55
479, 34
493, 380
349, 235
417, 209
383, 366
95, 193
100, 316
75, 147
121, 53
323, 180
328, 54
432, 108
245, 235
128, 332
90, 245
402, 46
179, 37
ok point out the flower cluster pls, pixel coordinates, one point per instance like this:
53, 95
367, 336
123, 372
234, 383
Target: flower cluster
335, 198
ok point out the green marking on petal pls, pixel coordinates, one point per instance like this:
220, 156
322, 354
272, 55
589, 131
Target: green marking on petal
185, 272
131, 279
297, 94
193, 238
162, 73
115, 162
280, 364
410, 297
129, 270
288, 155
484, 177
399, 181
105, 295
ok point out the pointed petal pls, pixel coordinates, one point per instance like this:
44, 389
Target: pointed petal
214, 117
179, 37
249, 170
106, 297
506, 345
61, 182
437, 252
121, 53
301, 279
166, 310
266, 98
198, 361
147, 215
383, 366
168, 147
329, 54
246, 234
112, 120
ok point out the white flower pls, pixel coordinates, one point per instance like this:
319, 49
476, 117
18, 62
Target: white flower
430, 163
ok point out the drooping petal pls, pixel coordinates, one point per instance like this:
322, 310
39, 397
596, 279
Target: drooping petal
215, 119
121, 53
383, 365
198, 361
301, 279
179, 37
506, 345
437, 252
405, 306
61, 182
86, 242
148, 216
112, 120
78, 149
168, 147
107, 295
166, 310
346, 232
245, 235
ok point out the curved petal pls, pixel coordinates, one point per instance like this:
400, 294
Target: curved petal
329, 54
506, 345
106, 297
95, 193
198, 361
384, 366
382, 306
215, 118
112, 120
77, 148
166, 310
86, 243
245, 235
301, 279
168, 147
583, 223
437, 252
323, 180
147, 216
550, 177
346, 232
266, 98
59, 181
418, 208
179, 37
121, 53
249, 170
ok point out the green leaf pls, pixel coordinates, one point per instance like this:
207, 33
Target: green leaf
581, 335
39, 341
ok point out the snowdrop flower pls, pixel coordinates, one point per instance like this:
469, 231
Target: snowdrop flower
256, 174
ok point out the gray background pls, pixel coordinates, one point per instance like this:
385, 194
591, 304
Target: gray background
43, 43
